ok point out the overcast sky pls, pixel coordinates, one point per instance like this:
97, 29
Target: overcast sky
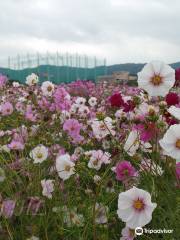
120, 30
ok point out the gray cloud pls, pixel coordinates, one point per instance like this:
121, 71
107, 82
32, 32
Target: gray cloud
122, 31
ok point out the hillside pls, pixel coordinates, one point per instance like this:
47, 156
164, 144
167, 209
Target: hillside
59, 74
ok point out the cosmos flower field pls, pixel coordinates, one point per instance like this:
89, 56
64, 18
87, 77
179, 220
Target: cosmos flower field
90, 161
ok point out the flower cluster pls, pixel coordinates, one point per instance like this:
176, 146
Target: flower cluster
89, 161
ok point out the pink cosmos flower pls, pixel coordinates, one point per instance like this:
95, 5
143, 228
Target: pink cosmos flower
6, 108
127, 234
7, 208
44, 103
72, 126
48, 187
3, 80
124, 170
104, 157
19, 107
62, 99
34, 205
98, 158
16, 145
30, 115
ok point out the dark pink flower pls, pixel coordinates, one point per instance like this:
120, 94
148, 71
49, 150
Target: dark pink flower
147, 131
129, 106
124, 170
177, 76
116, 100
172, 99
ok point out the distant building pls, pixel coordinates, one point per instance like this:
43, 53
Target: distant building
120, 76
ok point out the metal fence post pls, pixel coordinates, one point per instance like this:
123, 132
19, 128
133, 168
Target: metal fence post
67, 67
47, 65
105, 67
9, 67
95, 64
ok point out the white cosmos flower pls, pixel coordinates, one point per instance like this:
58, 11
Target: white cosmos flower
80, 101
39, 154
92, 101
103, 128
101, 213
175, 112
32, 79
74, 108
95, 163
132, 143
48, 187
171, 142
83, 111
4, 148
15, 84
64, 116
156, 78
119, 114
150, 166
64, 166
47, 88
71, 217
135, 207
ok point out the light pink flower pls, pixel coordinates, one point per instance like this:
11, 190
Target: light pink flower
7, 208
135, 207
48, 187
6, 108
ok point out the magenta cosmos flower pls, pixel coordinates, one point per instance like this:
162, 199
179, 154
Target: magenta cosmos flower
177, 76
172, 99
116, 100
124, 170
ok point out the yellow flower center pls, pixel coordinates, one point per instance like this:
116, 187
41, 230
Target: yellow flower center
95, 162
67, 168
156, 80
49, 88
126, 172
102, 127
178, 143
138, 204
39, 155
131, 232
